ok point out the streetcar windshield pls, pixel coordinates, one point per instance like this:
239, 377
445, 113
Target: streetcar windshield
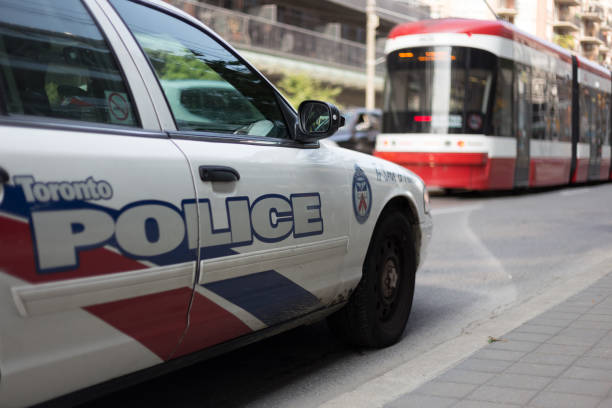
439, 89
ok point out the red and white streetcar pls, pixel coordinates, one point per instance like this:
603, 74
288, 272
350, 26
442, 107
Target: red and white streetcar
480, 105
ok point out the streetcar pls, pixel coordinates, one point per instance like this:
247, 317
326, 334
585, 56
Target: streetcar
481, 105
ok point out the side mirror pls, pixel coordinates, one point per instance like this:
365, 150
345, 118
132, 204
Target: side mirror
317, 120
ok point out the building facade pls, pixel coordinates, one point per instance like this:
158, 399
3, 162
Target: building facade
325, 39
586, 26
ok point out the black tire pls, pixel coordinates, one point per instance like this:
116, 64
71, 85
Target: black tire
378, 309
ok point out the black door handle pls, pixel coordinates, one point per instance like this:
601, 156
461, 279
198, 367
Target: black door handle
218, 173
4, 176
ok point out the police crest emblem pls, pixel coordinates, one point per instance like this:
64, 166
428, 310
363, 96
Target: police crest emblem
362, 195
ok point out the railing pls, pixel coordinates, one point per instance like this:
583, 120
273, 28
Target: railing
564, 14
258, 33
603, 38
593, 8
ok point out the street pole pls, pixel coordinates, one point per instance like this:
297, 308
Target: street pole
371, 25
491, 10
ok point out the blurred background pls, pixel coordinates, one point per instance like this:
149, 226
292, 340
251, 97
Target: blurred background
317, 49
333, 50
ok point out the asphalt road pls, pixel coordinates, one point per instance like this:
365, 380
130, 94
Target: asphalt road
489, 254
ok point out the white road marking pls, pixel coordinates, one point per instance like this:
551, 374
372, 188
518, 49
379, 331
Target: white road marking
452, 210
575, 191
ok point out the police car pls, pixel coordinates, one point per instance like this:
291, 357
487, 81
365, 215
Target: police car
160, 201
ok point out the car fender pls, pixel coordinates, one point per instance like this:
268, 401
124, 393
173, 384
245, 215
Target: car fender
378, 184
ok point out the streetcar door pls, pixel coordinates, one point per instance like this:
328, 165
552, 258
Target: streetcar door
523, 121
594, 134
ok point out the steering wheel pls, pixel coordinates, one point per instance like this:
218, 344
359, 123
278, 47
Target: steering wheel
259, 128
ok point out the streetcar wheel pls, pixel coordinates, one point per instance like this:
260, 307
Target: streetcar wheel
378, 310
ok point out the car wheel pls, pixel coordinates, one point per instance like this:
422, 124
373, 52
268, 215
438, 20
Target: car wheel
378, 309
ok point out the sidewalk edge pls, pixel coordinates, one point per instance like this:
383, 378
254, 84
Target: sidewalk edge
410, 375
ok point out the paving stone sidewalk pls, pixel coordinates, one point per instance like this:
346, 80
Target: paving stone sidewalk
560, 359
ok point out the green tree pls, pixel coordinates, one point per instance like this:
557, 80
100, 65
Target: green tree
185, 66
565, 41
300, 87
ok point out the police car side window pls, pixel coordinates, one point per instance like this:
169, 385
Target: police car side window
207, 87
54, 62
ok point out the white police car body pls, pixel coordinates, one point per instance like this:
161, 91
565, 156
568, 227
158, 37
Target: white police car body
129, 237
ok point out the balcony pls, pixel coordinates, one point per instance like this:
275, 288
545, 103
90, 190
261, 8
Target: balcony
593, 12
505, 12
260, 34
567, 2
566, 21
590, 40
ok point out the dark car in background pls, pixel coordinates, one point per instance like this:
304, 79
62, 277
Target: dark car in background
360, 130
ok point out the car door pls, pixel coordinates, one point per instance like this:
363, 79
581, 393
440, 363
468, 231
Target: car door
273, 213
95, 271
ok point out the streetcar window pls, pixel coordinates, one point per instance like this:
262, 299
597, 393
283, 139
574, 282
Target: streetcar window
502, 107
552, 114
524, 106
539, 93
594, 117
564, 96
604, 111
607, 119
599, 125
608, 109
450, 87
587, 115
